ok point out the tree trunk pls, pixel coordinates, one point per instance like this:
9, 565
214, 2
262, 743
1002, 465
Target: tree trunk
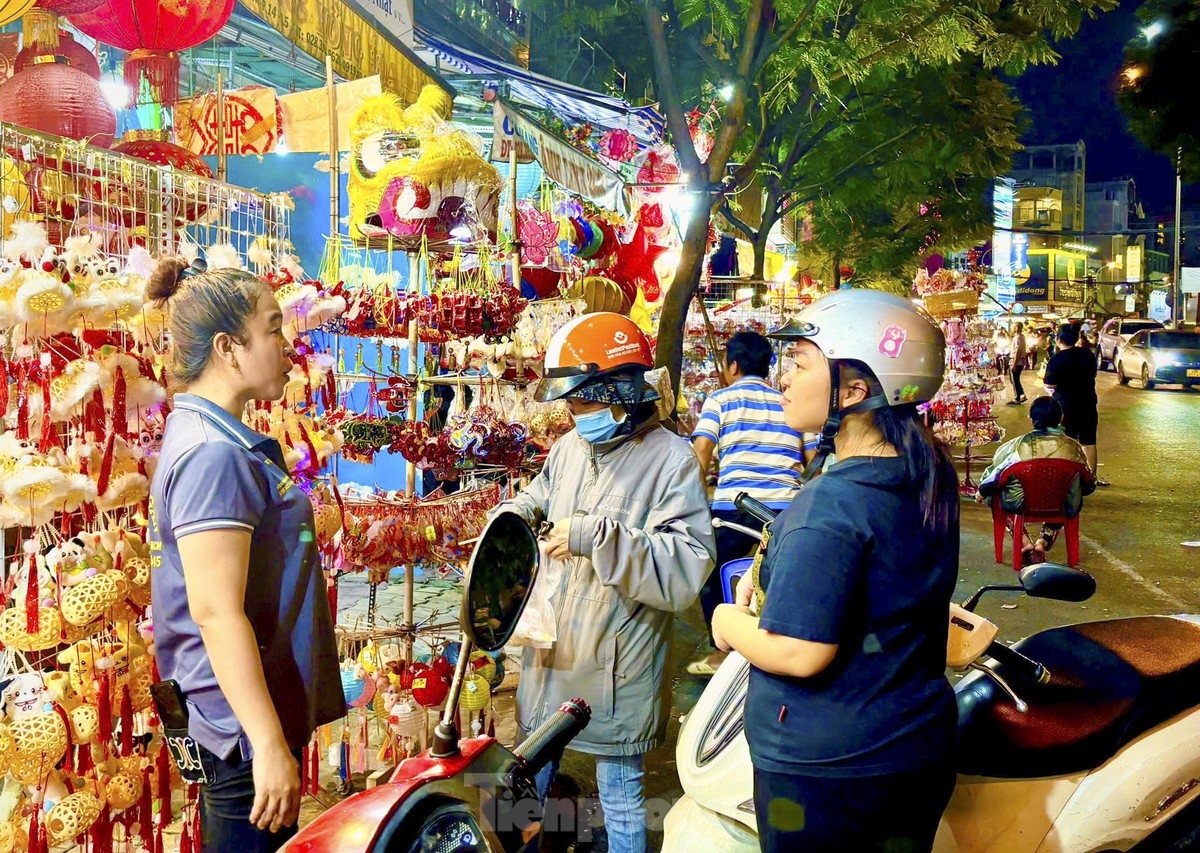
678, 298
770, 216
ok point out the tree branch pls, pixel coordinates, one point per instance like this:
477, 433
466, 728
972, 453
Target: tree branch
669, 96
727, 212
855, 163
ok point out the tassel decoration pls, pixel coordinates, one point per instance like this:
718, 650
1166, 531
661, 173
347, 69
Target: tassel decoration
22, 401
162, 769
197, 835
120, 418
126, 722
106, 465
146, 812
68, 759
185, 841
50, 437
158, 840
104, 711
3, 385
83, 761
314, 768
33, 603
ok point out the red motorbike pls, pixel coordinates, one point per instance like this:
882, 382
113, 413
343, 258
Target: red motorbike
471, 795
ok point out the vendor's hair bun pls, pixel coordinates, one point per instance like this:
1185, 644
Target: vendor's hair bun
164, 281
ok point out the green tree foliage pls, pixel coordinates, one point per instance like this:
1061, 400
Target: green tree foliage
1162, 106
855, 106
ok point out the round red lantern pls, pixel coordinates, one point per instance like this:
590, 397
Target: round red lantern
150, 146
52, 97
430, 689
153, 33
76, 55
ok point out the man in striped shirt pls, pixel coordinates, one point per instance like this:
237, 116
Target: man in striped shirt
756, 451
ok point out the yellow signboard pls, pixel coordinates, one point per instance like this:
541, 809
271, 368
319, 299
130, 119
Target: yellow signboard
323, 28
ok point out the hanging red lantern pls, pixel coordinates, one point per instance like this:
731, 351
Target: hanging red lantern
52, 97
151, 146
430, 689
153, 33
76, 55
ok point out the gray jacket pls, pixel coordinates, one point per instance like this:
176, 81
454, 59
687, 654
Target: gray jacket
641, 525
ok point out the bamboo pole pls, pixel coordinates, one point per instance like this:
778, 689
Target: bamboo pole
334, 163
222, 165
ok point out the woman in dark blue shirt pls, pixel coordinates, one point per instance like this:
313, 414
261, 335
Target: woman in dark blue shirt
849, 718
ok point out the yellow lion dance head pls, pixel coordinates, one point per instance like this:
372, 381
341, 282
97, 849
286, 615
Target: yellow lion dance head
413, 176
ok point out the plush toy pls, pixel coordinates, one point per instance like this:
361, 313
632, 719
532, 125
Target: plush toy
413, 177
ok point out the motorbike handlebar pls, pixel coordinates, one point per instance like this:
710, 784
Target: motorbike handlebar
753, 507
550, 738
1013, 660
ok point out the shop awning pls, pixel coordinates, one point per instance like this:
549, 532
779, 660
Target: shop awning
525, 88
359, 46
568, 166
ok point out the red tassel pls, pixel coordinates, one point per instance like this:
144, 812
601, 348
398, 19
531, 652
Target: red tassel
106, 464
304, 771
185, 840
120, 417
146, 812
49, 433
34, 828
33, 604
158, 840
197, 835
83, 761
162, 768
93, 415
314, 770
3, 386
68, 759
126, 722
22, 402
104, 710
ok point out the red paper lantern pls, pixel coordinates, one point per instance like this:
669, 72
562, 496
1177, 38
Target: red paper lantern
153, 33
76, 55
187, 207
430, 689
52, 97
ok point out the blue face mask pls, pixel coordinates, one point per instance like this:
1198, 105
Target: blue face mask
597, 426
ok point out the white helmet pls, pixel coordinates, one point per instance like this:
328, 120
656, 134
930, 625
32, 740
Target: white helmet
901, 344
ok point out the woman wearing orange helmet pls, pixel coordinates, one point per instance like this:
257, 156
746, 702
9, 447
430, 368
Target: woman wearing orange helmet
634, 536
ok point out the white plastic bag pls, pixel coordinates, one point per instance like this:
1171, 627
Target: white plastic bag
538, 627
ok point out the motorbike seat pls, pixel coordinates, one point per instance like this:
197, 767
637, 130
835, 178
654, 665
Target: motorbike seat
1110, 682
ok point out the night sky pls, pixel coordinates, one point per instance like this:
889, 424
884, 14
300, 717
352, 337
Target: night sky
1076, 99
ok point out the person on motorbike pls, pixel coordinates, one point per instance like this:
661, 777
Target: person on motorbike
633, 532
849, 717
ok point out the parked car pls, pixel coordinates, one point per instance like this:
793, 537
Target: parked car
1160, 357
1116, 332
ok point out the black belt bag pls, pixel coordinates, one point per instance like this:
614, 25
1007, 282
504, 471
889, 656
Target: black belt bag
185, 752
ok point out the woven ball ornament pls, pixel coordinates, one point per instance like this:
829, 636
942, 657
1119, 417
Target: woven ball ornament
85, 724
82, 603
13, 630
72, 816
6, 744
123, 790
476, 694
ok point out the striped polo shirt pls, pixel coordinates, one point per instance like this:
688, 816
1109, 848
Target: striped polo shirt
757, 452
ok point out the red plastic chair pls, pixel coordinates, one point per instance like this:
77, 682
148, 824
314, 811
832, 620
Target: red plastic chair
1045, 483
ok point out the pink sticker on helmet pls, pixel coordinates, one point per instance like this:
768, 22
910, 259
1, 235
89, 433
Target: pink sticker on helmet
892, 341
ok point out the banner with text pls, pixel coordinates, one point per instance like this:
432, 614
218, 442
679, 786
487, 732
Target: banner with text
359, 49
251, 122
504, 138
567, 166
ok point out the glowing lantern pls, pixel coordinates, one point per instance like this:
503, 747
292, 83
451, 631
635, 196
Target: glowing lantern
55, 98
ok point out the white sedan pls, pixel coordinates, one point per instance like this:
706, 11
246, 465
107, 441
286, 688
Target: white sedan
1160, 357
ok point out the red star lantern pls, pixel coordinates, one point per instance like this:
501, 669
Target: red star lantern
635, 266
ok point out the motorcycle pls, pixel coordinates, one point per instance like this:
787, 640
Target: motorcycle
471, 795
1078, 739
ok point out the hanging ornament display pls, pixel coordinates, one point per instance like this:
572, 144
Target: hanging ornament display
154, 147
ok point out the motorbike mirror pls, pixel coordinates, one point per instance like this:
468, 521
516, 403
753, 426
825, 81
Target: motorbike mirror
1062, 583
499, 577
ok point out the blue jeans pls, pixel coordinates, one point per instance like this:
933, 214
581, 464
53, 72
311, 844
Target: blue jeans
225, 805
619, 778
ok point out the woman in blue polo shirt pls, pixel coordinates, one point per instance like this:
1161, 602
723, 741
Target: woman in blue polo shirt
849, 718
242, 623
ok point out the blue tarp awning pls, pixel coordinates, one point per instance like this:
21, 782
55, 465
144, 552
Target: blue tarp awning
534, 90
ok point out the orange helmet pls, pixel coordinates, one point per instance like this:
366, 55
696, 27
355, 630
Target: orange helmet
589, 348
